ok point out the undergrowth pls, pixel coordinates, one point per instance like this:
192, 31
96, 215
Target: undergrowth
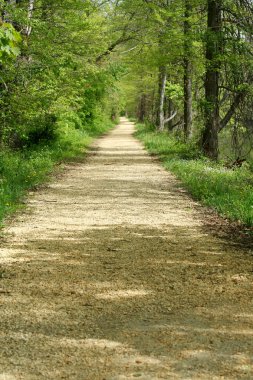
23, 170
228, 191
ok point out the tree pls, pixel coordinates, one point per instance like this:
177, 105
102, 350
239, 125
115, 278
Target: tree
162, 56
213, 66
187, 72
56, 82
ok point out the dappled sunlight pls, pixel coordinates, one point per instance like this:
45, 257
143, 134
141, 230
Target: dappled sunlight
100, 285
144, 236
200, 354
13, 255
7, 376
187, 263
111, 275
90, 343
213, 253
104, 354
141, 360
244, 316
240, 278
114, 295
205, 330
120, 152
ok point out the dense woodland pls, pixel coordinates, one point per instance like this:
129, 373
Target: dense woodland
193, 71
69, 67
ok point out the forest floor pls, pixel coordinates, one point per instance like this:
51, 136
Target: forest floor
111, 274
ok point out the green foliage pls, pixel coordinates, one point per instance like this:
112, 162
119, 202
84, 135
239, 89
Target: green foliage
56, 85
54, 96
175, 35
9, 43
165, 145
89, 61
174, 91
228, 191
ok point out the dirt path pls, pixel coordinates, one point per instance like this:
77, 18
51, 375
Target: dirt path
110, 275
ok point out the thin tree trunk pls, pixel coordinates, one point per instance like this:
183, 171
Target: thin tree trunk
153, 106
170, 113
30, 14
230, 113
213, 48
187, 74
142, 108
163, 79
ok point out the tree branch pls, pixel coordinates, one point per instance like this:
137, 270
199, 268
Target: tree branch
171, 117
110, 49
237, 100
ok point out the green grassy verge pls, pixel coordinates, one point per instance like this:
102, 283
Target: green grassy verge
24, 170
228, 191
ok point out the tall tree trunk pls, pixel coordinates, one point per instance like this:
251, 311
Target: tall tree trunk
153, 106
170, 110
30, 14
142, 108
213, 49
162, 87
187, 73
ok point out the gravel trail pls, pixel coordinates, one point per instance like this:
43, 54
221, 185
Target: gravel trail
110, 275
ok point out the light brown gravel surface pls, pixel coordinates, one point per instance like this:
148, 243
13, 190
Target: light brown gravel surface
111, 275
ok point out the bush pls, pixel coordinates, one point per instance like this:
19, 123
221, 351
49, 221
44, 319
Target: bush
41, 130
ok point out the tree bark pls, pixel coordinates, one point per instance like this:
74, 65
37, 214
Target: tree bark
213, 49
187, 74
230, 113
171, 117
142, 108
30, 14
170, 110
162, 87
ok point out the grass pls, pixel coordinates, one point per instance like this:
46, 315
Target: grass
23, 171
228, 191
